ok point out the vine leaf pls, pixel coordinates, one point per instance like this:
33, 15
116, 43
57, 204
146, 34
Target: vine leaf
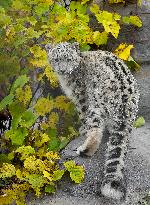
50, 188
123, 51
6, 101
116, 1
76, 171
19, 82
24, 95
108, 20
100, 38
94, 9
17, 136
28, 119
139, 122
84, 1
7, 170
132, 64
43, 106
57, 175
54, 142
135, 20
25, 151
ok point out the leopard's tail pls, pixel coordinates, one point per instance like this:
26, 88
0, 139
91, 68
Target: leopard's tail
113, 185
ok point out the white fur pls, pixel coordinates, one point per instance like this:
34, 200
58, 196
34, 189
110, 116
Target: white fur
92, 142
65, 87
109, 192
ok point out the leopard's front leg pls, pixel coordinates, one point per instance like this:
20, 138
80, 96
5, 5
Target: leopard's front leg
93, 129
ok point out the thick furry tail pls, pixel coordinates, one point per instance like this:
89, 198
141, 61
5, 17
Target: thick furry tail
113, 185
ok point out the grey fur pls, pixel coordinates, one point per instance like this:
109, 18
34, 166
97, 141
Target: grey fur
105, 94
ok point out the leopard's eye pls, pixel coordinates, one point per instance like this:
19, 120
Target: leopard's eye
56, 60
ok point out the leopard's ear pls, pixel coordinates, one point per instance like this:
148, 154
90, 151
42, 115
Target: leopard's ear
48, 47
75, 46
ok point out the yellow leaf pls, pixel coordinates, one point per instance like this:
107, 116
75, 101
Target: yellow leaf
109, 22
53, 120
43, 138
37, 51
94, 9
51, 75
116, 1
10, 32
24, 95
43, 106
116, 16
100, 38
136, 21
112, 27
38, 62
7, 170
123, 51
52, 155
62, 103
47, 175
84, 1
40, 56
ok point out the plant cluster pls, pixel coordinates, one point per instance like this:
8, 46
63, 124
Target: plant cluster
36, 135
41, 128
26, 26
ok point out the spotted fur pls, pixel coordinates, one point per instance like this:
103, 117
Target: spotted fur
105, 94
66, 3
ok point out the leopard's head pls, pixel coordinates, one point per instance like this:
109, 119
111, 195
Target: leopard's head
64, 57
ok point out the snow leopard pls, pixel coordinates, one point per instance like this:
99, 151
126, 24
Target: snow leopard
106, 96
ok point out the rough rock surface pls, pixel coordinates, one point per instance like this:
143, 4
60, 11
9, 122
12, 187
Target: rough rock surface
138, 158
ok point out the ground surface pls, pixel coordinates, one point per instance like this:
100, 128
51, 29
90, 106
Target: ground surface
138, 158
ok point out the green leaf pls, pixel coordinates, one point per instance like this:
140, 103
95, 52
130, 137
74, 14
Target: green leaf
19, 82
64, 142
139, 122
94, 9
81, 9
16, 110
73, 5
57, 175
5, 3
6, 101
36, 180
28, 119
4, 159
11, 156
135, 20
41, 9
132, 64
4, 19
126, 19
50, 188
85, 47
17, 136
76, 171
54, 142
